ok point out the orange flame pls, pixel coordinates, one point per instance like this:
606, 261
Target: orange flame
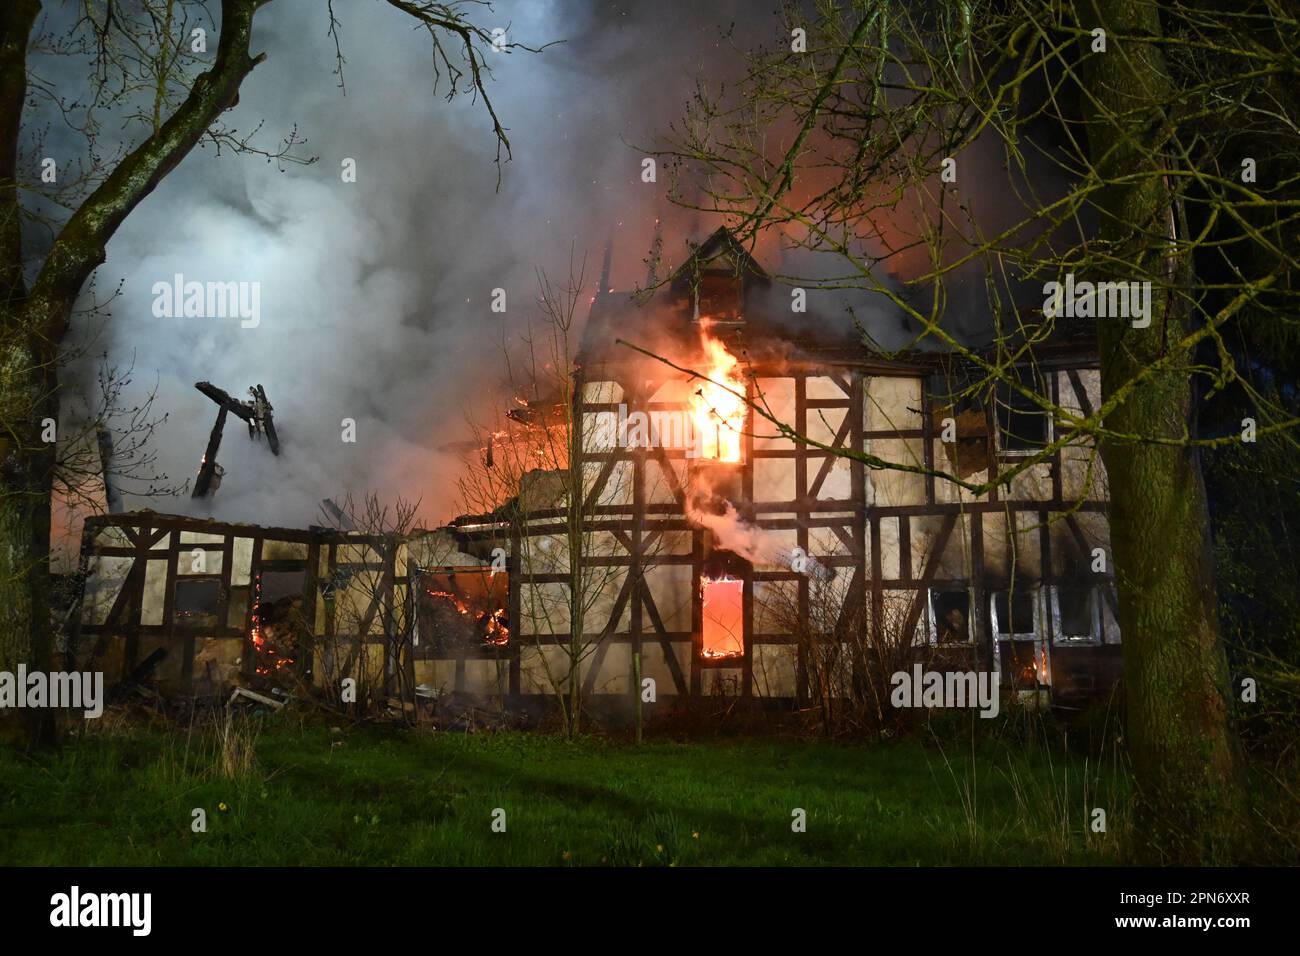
493, 622
262, 647
718, 411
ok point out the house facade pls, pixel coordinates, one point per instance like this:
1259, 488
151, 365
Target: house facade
716, 552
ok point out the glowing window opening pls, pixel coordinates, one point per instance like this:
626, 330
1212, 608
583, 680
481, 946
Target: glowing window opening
724, 619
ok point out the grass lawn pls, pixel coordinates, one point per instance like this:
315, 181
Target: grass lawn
371, 797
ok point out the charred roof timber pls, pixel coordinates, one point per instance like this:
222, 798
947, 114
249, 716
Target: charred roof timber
256, 412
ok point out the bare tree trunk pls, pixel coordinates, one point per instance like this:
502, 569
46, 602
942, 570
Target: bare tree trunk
26, 379
1175, 671
26, 470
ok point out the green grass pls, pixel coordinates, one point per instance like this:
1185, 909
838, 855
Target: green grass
426, 799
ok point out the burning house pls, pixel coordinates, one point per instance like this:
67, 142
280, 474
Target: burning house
725, 541
706, 549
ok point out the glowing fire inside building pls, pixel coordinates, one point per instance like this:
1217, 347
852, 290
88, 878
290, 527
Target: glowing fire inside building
266, 635
492, 623
718, 406
700, 546
723, 617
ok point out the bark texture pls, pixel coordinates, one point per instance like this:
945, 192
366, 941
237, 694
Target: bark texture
1175, 671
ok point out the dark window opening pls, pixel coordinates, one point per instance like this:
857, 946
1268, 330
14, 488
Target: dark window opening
198, 601
1013, 613
951, 611
277, 585
1022, 425
1076, 610
281, 633
718, 296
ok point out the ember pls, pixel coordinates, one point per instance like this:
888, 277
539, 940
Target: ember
492, 623
264, 636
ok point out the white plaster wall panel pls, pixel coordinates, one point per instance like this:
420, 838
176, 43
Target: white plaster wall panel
352, 602
347, 553
838, 483
112, 537
1082, 474
1033, 484
600, 432
485, 678
654, 664
780, 542
895, 488
201, 537
672, 587
659, 485
824, 542
163, 543
199, 561
1070, 561
615, 673
889, 555
438, 549
544, 669
824, 424
675, 391
544, 554
595, 393
824, 387
774, 670
775, 607
598, 543
896, 606
670, 542
1090, 379
617, 489
774, 480
954, 562
892, 402
273, 550
104, 580
957, 460
600, 595
778, 393
543, 608
1028, 550
997, 561
241, 561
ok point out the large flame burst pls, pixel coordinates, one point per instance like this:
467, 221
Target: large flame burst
719, 412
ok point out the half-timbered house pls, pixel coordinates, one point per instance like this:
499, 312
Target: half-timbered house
719, 538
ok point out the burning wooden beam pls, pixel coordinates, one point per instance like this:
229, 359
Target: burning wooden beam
255, 412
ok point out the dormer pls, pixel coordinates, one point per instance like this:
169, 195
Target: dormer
715, 281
